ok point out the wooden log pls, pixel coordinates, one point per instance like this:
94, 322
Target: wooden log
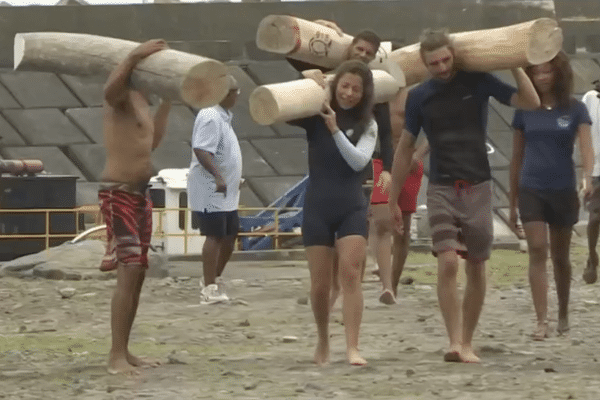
286, 101
196, 80
311, 42
528, 43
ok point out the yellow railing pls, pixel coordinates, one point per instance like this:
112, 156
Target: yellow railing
46, 235
272, 230
158, 232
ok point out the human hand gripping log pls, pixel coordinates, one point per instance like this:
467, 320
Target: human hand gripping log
198, 81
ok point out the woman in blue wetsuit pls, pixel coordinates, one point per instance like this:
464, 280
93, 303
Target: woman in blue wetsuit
341, 142
543, 182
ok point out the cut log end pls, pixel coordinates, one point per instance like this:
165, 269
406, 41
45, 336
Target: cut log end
277, 34
19, 50
263, 106
544, 44
205, 85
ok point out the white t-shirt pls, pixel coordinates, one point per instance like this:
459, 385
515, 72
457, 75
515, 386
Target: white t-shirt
592, 102
213, 133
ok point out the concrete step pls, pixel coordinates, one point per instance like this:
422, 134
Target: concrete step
45, 127
39, 89
253, 164
288, 156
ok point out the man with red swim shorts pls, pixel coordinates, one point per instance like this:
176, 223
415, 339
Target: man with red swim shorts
382, 232
130, 135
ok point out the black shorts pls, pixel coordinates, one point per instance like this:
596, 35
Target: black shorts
555, 207
322, 227
219, 223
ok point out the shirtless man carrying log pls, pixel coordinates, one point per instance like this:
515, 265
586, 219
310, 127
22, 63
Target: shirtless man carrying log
130, 135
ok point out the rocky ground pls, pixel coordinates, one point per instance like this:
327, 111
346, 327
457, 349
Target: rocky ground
53, 342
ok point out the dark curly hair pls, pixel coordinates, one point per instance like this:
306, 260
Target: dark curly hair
363, 111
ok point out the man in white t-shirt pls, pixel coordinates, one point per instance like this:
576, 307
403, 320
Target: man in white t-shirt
592, 101
214, 189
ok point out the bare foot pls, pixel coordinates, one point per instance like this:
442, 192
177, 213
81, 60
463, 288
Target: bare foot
142, 362
121, 366
590, 273
563, 326
322, 354
541, 332
467, 355
354, 358
453, 354
387, 298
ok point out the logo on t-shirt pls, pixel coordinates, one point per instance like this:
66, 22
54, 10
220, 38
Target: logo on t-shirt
564, 121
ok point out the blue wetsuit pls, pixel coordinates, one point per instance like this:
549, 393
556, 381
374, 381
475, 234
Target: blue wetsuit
335, 204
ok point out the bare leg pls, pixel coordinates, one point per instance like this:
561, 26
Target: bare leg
371, 245
382, 247
335, 281
590, 274
472, 305
351, 252
400, 248
226, 246
449, 302
537, 233
210, 256
560, 242
123, 310
133, 360
320, 263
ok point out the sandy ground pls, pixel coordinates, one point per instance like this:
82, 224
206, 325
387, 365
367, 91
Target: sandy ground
56, 348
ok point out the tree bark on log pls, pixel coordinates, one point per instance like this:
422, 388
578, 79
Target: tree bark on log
281, 102
198, 81
528, 43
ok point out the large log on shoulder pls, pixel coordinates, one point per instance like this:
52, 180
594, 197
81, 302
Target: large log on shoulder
281, 102
302, 40
311, 42
528, 43
196, 80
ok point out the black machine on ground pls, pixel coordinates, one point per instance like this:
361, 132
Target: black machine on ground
24, 187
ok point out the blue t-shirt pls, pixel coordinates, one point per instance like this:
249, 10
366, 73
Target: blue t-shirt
453, 115
549, 139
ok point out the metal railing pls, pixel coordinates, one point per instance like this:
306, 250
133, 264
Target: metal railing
160, 216
263, 231
46, 235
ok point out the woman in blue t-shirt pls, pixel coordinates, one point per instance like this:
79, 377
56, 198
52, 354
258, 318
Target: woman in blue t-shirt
341, 142
543, 182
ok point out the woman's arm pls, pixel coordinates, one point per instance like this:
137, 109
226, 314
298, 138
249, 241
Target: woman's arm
515, 169
584, 137
357, 157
